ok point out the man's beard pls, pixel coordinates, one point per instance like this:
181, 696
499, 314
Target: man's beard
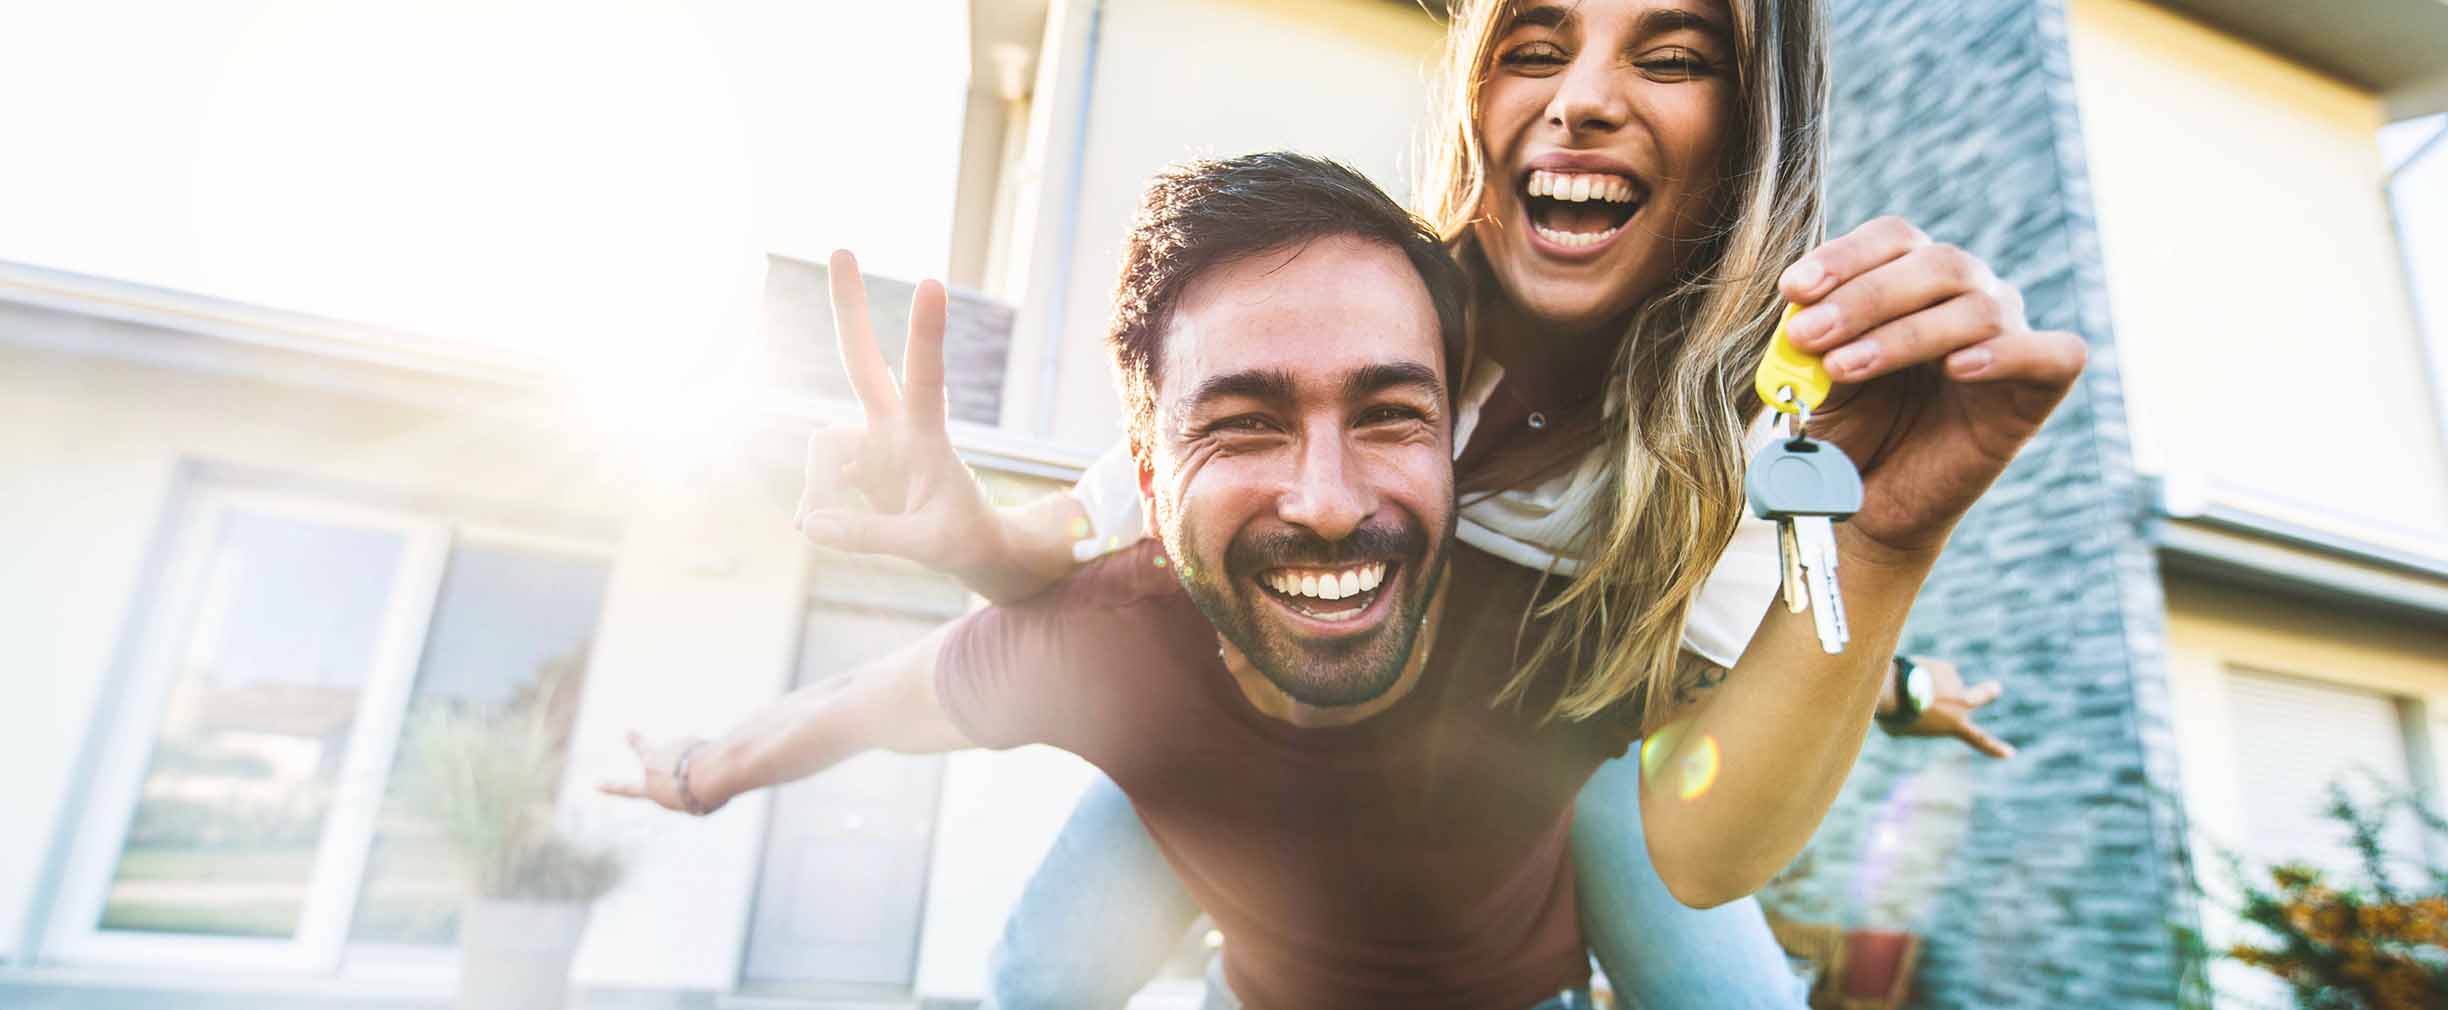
1330, 673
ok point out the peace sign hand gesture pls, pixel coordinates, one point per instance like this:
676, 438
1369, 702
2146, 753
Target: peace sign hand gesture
927, 506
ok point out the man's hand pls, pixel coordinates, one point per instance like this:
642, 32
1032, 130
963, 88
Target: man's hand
1949, 712
927, 506
1940, 380
657, 767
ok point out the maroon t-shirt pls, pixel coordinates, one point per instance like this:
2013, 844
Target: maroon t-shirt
1415, 859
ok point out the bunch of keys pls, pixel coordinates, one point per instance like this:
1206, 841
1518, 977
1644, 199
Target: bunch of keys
1806, 485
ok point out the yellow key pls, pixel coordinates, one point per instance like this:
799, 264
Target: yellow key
1788, 379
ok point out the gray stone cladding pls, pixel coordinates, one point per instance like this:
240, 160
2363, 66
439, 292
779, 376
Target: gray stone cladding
2051, 880
805, 353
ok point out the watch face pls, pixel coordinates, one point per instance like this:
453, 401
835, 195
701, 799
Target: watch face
1923, 690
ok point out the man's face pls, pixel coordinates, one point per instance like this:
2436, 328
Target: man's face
1303, 463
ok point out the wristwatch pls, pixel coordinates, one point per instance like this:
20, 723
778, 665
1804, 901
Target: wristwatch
1914, 691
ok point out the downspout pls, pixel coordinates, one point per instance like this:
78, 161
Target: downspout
1049, 354
2431, 334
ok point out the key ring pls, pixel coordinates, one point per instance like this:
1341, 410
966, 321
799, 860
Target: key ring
1797, 420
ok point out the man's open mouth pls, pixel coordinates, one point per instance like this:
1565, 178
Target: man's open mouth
1332, 594
1580, 210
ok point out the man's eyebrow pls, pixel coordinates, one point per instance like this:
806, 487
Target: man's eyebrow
1377, 378
1267, 385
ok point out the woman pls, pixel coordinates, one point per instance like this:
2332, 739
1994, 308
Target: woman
1635, 185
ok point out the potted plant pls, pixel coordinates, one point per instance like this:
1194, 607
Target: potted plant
486, 783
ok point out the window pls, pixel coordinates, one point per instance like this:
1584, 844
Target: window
2415, 153
288, 640
2293, 738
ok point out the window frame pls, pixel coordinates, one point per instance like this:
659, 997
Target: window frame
162, 621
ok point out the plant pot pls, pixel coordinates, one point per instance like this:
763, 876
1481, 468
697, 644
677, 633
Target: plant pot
1879, 966
515, 955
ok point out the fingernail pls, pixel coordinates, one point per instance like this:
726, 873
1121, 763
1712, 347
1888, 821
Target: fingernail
1972, 361
1811, 323
1855, 357
1803, 276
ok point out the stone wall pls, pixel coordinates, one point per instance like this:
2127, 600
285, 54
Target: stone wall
2050, 880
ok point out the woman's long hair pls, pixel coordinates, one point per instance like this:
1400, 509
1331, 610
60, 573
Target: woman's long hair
1680, 386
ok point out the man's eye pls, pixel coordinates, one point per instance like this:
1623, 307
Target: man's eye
1242, 425
1391, 415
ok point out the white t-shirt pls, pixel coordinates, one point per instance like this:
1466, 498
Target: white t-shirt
1532, 528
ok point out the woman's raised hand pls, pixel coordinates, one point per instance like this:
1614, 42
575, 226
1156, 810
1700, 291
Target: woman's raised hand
1940, 380
926, 505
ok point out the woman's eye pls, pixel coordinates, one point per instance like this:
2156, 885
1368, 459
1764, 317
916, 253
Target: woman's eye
1535, 54
1679, 65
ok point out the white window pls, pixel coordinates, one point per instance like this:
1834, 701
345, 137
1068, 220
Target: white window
240, 816
2293, 739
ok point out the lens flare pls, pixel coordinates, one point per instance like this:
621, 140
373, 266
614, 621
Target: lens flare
1693, 773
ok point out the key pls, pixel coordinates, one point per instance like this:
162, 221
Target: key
1807, 486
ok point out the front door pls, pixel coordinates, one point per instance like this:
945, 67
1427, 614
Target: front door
846, 854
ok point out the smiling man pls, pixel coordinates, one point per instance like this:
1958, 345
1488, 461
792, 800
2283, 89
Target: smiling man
1342, 794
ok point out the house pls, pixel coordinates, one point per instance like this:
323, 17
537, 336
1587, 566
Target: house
256, 542
248, 543
2220, 577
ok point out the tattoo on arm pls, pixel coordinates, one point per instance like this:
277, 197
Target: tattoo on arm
1699, 677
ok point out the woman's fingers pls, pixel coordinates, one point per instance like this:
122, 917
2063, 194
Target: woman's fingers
1848, 256
922, 361
1982, 694
1926, 335
635, 792
861, 359
1980, 740
1926, 276
2047, 357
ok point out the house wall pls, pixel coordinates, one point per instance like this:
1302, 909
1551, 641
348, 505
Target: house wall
1176, 79
2047, 880
2253, 270
700, 622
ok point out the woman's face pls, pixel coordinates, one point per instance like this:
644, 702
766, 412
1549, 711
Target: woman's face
1604, 122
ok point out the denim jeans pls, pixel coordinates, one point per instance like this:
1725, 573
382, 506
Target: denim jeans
1220, 996
1103, 910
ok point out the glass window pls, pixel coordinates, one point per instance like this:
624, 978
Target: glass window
510, 633
268, 675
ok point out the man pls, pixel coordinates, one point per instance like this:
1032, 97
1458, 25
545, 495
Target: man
1363, 824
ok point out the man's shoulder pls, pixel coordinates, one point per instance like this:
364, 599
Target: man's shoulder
1136, 576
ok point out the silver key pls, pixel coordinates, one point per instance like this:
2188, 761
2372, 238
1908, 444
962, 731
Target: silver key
1807, 485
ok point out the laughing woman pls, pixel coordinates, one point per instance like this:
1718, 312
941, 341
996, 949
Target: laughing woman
1634, 185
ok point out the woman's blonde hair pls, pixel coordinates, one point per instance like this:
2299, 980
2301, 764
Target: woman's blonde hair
1680, 389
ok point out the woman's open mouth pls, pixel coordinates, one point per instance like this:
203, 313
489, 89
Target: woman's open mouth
1578, 212
1335, 596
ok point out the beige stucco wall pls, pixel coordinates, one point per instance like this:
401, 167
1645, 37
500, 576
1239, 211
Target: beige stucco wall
1176, 79
700, 621
2261, 314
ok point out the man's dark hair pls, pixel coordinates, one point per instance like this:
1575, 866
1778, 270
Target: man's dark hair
1205, 213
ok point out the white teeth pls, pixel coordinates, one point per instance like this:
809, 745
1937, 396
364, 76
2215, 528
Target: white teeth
1576, 239
1580, 187
1345, 584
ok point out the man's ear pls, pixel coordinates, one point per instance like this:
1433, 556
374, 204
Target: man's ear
1147, 496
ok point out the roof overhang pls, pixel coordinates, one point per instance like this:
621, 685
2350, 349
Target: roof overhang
2197, 531
2396, 48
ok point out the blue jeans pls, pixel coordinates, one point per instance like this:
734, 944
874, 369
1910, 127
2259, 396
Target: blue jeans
1103, 910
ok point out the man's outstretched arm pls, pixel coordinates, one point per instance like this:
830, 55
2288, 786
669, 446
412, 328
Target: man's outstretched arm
887, 704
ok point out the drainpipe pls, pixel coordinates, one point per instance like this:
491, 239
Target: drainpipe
2431, 333
1049, 353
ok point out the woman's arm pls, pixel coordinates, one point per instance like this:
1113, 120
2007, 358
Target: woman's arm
1942, 382
923, 503
888, 704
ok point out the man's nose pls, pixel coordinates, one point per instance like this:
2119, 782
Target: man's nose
1325, 495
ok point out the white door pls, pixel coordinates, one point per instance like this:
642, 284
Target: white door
846, 854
